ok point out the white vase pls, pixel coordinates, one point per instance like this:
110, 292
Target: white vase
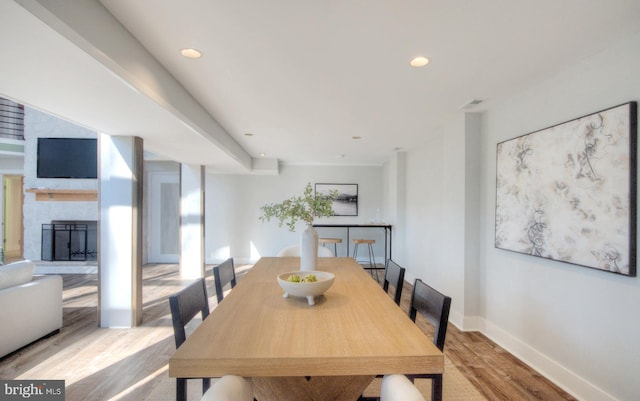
309, 248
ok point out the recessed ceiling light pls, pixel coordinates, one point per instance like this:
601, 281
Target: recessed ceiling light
263, 154
419, 61
191, 53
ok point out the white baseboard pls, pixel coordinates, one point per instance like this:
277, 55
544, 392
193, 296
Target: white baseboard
558, 374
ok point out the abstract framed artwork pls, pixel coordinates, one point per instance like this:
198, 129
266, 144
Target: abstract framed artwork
346, 204
568, 192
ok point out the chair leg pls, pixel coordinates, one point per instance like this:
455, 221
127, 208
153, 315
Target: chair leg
436, 388
372, 263
181, 389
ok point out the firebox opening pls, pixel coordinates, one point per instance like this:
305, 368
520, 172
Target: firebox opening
75, 240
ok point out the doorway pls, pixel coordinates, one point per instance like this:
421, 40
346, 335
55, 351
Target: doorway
13, 240
164, 218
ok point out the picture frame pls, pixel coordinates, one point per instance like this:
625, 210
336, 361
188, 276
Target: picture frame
346, 204
568, 192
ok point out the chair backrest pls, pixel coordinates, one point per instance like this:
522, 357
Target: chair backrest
434, 306
224, 274
294, 250
394, 274
399, 388
230, 388
185, 305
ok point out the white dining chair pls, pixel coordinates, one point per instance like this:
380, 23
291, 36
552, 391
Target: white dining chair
230, 388
399, 388
294, 250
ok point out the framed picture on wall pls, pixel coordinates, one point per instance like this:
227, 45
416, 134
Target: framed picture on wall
568, 192
346, 204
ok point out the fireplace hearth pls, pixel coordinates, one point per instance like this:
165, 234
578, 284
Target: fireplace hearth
69, 241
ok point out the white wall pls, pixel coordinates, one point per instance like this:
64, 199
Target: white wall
395, 190
435, 210
472, 246
11, 164
578, 326
232, 209
582, 319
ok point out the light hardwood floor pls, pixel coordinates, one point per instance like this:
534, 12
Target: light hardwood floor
126, 364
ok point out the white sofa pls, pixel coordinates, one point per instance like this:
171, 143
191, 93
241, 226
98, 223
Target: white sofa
30, 306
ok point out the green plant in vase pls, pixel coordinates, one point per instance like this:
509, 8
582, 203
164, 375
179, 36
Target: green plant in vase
302, 208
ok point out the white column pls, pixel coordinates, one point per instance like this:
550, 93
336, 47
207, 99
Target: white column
2, 213
191, 221
120, 248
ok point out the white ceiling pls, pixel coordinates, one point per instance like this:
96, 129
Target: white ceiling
303, 76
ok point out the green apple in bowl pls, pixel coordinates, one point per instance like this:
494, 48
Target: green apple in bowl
308, 284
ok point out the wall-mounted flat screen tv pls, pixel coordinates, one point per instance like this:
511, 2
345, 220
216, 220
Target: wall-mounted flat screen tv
67, 158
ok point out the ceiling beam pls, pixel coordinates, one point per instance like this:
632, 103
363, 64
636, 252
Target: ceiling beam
90, 26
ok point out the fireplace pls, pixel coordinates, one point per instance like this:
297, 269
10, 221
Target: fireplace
70, 241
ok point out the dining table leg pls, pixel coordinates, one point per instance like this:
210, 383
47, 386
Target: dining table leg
436, 388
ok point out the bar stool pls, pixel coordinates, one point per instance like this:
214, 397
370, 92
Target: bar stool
372, 258
334, 241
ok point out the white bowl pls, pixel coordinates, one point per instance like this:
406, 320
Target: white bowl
308, 290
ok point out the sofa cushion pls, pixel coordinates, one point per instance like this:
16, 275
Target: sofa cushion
16, 273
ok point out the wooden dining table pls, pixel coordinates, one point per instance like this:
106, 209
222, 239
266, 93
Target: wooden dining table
295, 351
